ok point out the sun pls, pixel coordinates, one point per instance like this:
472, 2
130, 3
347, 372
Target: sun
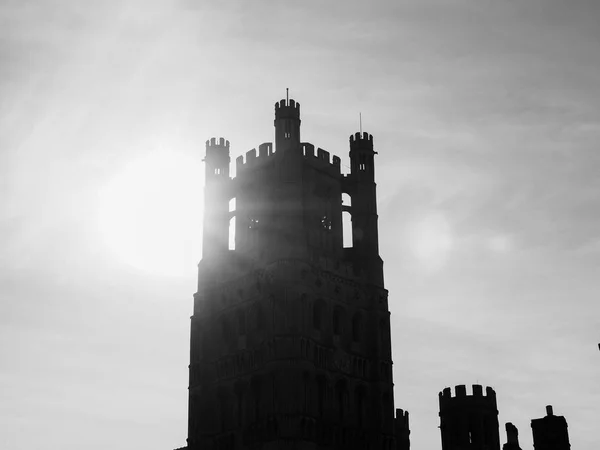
150, 213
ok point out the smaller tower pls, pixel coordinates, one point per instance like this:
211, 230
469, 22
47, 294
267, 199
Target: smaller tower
216, 198
287, 125
362, 189
512, 438
469, 421
550, 432
362, 157
402, 430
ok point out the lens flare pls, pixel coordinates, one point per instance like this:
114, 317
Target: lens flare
150, 214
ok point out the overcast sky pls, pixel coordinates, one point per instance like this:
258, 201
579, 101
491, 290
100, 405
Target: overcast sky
486, 117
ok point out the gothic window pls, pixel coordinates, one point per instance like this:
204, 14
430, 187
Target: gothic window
362, 163
231, 234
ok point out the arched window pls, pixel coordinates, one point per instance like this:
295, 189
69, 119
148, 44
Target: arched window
347, 220
232, 223
231, 245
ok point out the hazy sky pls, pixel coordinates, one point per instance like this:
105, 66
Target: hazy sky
486, 117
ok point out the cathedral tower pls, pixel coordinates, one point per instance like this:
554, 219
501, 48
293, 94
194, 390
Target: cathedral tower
290, 336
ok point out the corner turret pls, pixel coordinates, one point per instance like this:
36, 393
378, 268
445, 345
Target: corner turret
362, 156
287, 125
362, 189
216, 200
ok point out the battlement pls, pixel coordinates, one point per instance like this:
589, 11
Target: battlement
252, 158
221, 143
477, 397
361, 140
308, 151
402, 418
287, 109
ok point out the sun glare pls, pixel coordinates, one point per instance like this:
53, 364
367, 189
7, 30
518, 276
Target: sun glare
150, 214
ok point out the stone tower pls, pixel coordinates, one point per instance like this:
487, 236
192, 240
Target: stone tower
550, 432
469, 422
290, 336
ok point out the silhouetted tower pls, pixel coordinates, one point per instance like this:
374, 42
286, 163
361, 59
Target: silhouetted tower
216, 221
550, 432
287, 125
512, 438
469, 422
290, 336
362, 189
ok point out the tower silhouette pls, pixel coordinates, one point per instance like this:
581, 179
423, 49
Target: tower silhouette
550, 432
290, 336
469, 422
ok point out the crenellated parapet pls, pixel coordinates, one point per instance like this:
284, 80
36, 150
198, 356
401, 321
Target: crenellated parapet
321, 157
477, 398
402, 430
469, 421
363, 141
217, 159
402, 419
287, 109
254, 158
214, 143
